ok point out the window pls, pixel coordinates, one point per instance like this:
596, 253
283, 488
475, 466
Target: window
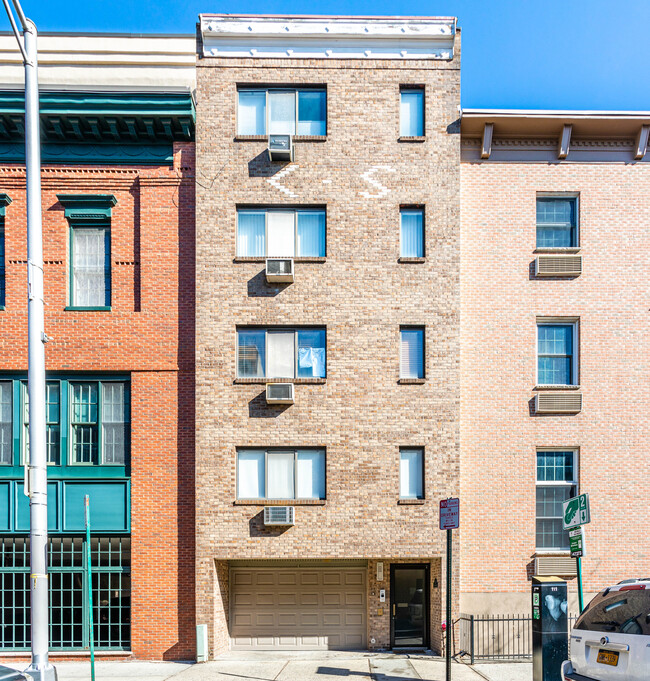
618, 612
52, 418
2, 262
6, 422
281, 474
556, 356
411, 352
280, 233
281, 353
98, 423
91, 266
557, 481
411, 473
556, 222
282, 111
411, 112
411, 232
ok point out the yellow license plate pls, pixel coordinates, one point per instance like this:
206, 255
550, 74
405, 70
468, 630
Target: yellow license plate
607, 657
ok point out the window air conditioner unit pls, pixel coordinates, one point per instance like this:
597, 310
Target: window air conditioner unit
558, 403
555, 566
558, 265
279, 515
279, 393
281, 147
279, 270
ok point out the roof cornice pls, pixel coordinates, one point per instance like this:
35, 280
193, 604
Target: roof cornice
314, 37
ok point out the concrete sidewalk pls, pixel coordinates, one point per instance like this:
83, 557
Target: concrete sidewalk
287, 666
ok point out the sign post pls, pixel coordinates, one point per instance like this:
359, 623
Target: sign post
449, 515
575, 514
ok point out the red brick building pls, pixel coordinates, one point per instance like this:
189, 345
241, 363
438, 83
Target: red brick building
118, 243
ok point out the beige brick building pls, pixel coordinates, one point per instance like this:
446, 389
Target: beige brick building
555, 232
367, 333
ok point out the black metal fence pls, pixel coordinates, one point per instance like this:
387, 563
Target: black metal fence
497, 637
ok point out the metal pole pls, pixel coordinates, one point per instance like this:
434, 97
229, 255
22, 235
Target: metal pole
91, 633
580, 595
448, 632
40, 667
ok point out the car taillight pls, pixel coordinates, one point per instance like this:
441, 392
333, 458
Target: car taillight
632, 587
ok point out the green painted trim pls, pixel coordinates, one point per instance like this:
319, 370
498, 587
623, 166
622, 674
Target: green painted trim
5, 200
87, 206
72, 308
92, 154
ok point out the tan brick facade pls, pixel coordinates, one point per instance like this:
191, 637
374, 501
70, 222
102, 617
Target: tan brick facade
361, 414
501, 299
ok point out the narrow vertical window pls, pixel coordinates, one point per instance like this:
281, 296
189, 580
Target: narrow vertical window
84, 423
311, 233
279, 474
412, 352
555, 354
52, 427
411, 473
251, 360
114, 422
6, 422
280, 348
312, 106
91, 272
311, 353
310, 474
556, 222
556, 482
281, 234
411, 233
282, 113
251, 474
411, 112
251, 112
251, 233
2, 261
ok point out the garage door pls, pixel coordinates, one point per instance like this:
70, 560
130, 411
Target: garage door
297, 608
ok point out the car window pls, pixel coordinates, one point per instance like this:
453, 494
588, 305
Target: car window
618, 612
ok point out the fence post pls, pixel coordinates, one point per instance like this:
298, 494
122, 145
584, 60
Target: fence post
471, 638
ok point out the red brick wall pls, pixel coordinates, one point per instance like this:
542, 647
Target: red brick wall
149, 333
500, 301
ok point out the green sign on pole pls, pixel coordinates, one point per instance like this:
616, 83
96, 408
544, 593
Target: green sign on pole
576, 512
577, 542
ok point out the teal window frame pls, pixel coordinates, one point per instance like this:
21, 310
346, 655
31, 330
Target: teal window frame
5, 200
68, 587
66, 468
89, 211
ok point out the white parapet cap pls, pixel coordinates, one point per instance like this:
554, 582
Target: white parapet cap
323, 37
104, 61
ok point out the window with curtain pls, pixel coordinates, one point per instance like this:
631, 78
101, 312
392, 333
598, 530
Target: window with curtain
556, 483
556, 222
269, 111
6, 422
281, 233
412, 352
411, 473
411, 233
281, 473
411, 112
281, 353
91, 270
555, 354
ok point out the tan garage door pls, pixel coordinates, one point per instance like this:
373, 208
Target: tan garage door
297, 608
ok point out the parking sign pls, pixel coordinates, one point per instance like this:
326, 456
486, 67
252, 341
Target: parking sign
449, 513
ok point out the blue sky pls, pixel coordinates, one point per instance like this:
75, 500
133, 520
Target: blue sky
555, 54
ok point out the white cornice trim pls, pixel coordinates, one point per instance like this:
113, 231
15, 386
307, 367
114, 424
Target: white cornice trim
327, 38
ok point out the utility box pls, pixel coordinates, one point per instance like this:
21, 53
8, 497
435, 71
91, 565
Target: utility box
201, 642
550, 628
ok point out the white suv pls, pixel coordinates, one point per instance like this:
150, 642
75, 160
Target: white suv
611, 638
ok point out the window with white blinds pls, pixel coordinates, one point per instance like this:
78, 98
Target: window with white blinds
411, 473
91, 273
411, 352
281, 474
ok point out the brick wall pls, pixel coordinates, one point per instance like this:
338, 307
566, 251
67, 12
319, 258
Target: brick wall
149, 333
361, 294
499, 434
